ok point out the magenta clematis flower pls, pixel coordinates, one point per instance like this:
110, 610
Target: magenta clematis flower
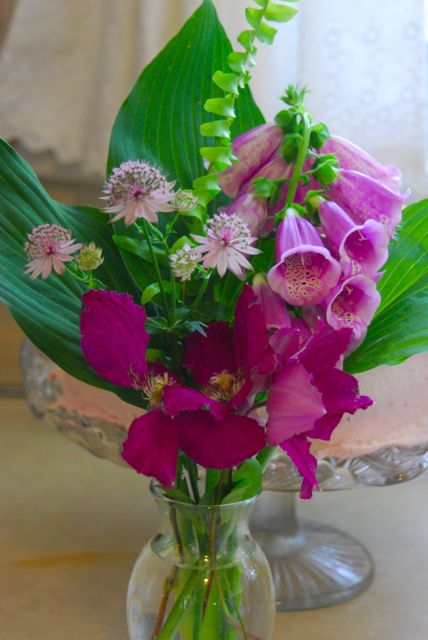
136, 190
226, 244
253, 149
309, 396
353, 304
48, 247
306, 272
361, 248
114, 343
254, 212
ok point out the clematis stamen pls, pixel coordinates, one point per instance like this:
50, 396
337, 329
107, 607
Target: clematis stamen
154, 387
224, 386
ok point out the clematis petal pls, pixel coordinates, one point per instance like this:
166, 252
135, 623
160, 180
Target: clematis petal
353, 305
177, 399
355, 159
218, 444
251, 338
340, 392
294, 404
364, 198
324, 348
274, 309
206, 356
114, 339
253, 150
152, 446
298, 450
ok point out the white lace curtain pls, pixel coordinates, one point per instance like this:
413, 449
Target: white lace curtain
66, 67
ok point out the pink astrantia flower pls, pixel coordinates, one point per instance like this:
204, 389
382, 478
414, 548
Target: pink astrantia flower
353, 305
136, 190
48, 247
226, 244
361, 248
305, 272
179, 417
309, 396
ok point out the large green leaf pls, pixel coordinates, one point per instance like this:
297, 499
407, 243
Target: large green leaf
160, 119
400, 327
48, 311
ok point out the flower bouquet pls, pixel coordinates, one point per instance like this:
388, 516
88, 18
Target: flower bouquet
236, 277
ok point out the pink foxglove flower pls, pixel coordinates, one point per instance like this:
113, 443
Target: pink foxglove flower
253, 149
254, 212
136, 190
361, 248
48, 247
309, 397
353, 305
273, 306
226, 244
305, 272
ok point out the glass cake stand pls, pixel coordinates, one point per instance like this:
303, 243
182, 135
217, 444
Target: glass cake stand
313, 565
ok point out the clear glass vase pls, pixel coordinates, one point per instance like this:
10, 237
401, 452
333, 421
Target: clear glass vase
201, 577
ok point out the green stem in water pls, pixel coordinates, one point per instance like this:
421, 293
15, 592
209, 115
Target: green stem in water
265, 456
301, 157
182, 604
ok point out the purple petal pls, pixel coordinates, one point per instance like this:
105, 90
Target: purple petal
207, 356
340, 392
362, 248
353, 305
353, 158
298, 450
274, 309
251, 338
293, 232
114, 339
219, 444
294, 404
177, 399
253, 150
253, 211
324, 349
152, 447
364, 198
305, 276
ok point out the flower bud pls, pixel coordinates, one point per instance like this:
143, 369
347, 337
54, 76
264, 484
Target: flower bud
90, 257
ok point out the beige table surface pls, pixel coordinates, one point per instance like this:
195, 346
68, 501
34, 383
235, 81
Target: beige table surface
71, 527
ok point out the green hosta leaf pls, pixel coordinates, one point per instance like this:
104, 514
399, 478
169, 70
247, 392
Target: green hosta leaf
229, 82
160, 120
265, 33
279, 13
48, 311
400, 327
216, 128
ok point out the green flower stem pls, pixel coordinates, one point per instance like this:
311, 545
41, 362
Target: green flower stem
301, 157
199, 297
182, 604
157, 269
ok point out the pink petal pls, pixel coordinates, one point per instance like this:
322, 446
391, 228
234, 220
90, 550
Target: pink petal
298, 450
114, 339
251, 338
177, 399
219, 444
207, 356
294, 404
152, 446
353, 305
273, 306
